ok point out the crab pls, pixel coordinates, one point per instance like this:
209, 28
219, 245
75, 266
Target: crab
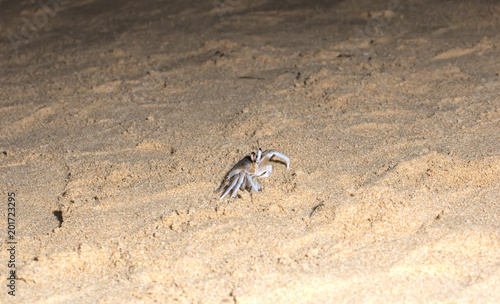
251, 167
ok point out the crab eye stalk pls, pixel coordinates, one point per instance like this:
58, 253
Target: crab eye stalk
252, 157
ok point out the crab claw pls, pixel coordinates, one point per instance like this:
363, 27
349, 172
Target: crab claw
272, 153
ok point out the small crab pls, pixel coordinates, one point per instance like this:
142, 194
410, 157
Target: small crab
252, 166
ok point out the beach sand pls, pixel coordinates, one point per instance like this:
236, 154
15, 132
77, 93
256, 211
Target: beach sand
118, 119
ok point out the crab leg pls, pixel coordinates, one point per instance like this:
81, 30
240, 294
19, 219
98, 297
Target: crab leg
249, 179
240, 181
233, 173
221, 187
229, 188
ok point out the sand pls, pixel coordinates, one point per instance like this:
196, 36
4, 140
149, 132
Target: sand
118, 119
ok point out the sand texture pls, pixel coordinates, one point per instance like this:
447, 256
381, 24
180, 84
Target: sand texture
118, 119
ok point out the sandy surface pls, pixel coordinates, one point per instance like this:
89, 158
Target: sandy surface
119, 119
